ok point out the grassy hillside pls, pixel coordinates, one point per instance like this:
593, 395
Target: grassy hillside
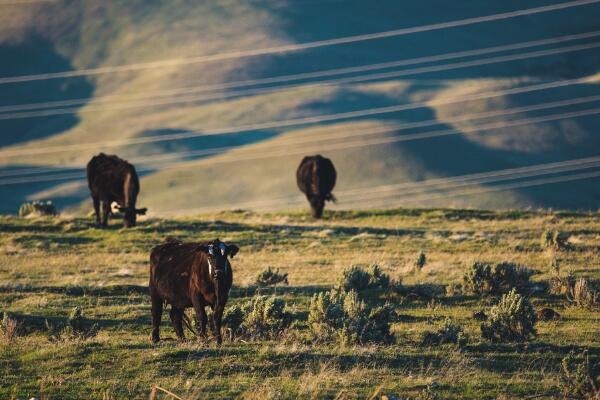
65, 35
50, 266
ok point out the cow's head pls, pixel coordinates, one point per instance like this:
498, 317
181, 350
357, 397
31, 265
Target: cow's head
217, 253
130, 215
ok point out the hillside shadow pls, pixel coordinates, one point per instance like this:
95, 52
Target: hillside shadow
305, 23
34, 56
211, 144
17, 188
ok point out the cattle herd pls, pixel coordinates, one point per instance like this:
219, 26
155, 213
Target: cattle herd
189, 274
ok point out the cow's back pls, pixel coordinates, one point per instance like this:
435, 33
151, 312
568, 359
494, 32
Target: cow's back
171, 267
107, 175
316, 175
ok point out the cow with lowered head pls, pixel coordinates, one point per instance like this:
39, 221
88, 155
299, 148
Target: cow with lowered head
316, 177
113, 180
190, 275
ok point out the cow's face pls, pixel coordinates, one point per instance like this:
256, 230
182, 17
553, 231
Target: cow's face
218, 252
317, 203
130, 215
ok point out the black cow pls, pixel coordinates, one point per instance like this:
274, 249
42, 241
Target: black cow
112, 179
190, 275
316, 178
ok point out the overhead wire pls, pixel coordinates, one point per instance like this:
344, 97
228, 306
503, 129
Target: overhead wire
297, 47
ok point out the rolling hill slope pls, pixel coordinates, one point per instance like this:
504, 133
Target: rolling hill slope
167, 100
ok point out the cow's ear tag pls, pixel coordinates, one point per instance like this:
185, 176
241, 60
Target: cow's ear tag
222, 247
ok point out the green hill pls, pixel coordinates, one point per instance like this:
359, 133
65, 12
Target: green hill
69, 35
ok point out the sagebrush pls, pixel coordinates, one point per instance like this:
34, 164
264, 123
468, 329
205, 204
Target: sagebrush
270, 277
512, 319
342, 316
357, 278
483, 278
579, 378
37, 208
449, 333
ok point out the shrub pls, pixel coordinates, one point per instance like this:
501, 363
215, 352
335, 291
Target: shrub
37, 208
341, 316
420, 261
482, 278
512, 319
270, 277
9, 328
233, 318
559, 284
583, 294
552, 239
577, 378
78, 327
266, 317
356, 278
449, 333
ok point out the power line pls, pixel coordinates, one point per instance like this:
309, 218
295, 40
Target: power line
509, 186
297, 47
305, 86
346, 145
300, 76
154, 158
463, 180
290, 122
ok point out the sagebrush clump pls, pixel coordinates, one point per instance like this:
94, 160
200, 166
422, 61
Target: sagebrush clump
340, 316
357, 278
583, 294
9, 328
483, 278
420, 261
270, 277
578, 378
37, 209
265, 317
511, 320
78, 327
449, 333
552, 239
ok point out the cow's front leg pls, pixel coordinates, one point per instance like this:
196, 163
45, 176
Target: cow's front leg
201, 318
176, 315
105, 206
217, 318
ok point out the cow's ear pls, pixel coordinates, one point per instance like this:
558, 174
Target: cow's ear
141, 211
232, 250
203, 248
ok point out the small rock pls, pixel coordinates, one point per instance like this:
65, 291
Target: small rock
480, 316
547, 314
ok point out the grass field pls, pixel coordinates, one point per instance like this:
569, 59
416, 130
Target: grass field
49, 266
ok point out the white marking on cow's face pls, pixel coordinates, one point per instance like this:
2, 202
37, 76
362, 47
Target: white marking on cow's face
114, 207
210, 267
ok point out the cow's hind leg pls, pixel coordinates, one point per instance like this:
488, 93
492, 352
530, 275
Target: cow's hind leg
176, 315
96, 201
157, 309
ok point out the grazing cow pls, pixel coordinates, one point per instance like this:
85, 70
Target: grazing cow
112, 179
190, 275
316, 178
